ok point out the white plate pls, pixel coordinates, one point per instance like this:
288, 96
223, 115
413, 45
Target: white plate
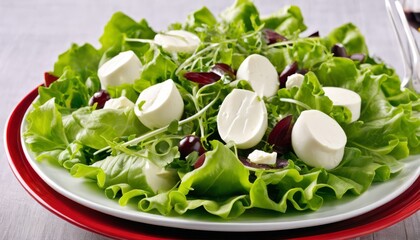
88, 194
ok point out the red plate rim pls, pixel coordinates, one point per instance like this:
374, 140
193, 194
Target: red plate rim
394, 211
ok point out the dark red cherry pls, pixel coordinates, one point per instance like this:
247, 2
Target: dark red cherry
190, 144
339, 50
100, 98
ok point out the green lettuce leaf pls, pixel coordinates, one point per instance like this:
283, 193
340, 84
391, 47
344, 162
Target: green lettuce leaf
388, 129
288, 21
222, 174
70, 91
121, 26
73, 154
115, 172
225, 195
276, 190
83, 60
361, 170
310, 93
125, 89
308, 53
200, 18
45, 130
279, 57
307, 190
225, 207
348, 35
95, 128
339, 72
159, 68
242, 13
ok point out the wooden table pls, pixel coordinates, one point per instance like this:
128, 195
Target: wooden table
33, 33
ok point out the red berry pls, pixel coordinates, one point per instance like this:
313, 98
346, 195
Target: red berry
339, 50
190, 144
100, 98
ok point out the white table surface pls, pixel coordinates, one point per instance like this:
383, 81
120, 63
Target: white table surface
33, 33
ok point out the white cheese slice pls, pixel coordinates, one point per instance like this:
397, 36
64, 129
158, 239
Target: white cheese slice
242, 118
347, 98
175, 41
158, 105
118, 103
123, 68
261, 157
294, 80
260, 73
318, 140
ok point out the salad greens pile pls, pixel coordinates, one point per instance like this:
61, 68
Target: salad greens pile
113, 148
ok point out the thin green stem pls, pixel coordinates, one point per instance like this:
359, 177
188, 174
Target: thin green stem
294, 101
195, 101
280, 44
192, 58
163, 129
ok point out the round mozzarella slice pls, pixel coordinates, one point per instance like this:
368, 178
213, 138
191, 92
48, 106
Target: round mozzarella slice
260, 73
318, 140
294, 80
123, 68
242, 118
159, 105
177, 41
118, 103
346, 98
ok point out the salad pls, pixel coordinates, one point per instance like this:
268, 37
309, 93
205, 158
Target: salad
227, 113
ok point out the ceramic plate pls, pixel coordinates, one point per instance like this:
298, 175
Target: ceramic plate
84, 215
86, 193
